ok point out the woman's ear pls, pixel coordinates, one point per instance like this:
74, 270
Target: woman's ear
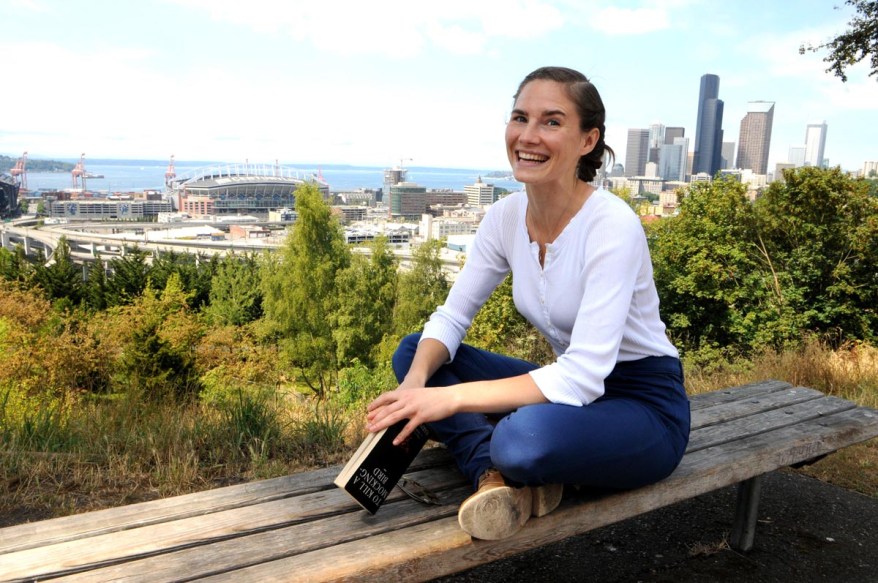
589, 140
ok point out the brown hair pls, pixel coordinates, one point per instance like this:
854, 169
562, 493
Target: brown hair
590, 108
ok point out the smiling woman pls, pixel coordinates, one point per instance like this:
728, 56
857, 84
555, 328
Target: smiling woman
611, 410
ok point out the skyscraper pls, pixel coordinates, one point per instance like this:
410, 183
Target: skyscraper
709, 128
637, 152
815, 141
673, 132
656, 139
755, 137
673, 159
727, 155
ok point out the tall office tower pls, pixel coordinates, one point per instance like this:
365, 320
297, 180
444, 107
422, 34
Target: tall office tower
755, 137
637, 153
479, 194
673, 132
796, 156
727, 156
656, 139
815, 141
709, 128
673, 160
392, 177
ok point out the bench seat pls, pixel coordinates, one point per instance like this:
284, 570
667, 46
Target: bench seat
302, 528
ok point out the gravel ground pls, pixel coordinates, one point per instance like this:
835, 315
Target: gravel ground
808, 531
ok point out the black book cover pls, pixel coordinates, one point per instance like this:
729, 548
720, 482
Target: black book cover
378, 465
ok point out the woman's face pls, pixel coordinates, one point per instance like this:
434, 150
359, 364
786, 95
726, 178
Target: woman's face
543, 139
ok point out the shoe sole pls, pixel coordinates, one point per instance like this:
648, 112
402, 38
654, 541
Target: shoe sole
497, 513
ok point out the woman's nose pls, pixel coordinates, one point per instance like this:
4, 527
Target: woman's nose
529, 133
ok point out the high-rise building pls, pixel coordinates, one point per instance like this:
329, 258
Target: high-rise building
727, 156
637, 153
796, 156
755, 137
815, 142
709, 128
673, 132
673, 160
656, 139
479, 194
392, 177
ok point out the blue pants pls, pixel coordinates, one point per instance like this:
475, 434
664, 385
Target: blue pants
633, 435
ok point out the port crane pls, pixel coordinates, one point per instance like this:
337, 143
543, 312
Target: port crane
78, 172
170, 173
20, 171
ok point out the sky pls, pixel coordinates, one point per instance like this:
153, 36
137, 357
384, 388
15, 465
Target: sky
391, 82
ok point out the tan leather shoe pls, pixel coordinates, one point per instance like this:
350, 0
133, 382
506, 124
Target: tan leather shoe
496, 510
546, 499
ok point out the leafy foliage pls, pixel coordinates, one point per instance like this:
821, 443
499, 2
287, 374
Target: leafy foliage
857, 43
235, 297
739, 276
367, 294
421, 289
300, 293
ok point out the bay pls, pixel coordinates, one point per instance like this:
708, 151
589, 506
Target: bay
140, 175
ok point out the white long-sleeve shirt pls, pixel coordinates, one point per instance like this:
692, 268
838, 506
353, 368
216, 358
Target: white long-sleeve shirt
594, 299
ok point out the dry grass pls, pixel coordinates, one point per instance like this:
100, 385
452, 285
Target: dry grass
109, 453
850, 373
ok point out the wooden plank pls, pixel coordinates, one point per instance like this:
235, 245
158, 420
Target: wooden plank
196, 531
56, 530
768, 420
758, 389
227, 555
749, 405
430, 550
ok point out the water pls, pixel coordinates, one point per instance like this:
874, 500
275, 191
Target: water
139, 175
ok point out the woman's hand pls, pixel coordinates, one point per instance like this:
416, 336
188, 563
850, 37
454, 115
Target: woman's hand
417, 404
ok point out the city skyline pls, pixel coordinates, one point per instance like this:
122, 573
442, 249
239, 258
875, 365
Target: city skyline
385, 82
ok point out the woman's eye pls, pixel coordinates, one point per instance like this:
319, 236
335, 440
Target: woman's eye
518, 119
553, 122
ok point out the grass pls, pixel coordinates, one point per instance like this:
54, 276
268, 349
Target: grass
850, 373
59, 458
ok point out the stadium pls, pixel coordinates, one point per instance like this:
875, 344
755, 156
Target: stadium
240, 189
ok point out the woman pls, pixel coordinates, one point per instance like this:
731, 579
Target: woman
611, 410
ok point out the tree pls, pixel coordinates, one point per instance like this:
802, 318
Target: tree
130, 274
421, 289
235, 295
368, 292
300, 292
800, 260
706, 269
62, 279
820, 229
855, 44
158, 339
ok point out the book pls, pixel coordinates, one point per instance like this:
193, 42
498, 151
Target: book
377, 465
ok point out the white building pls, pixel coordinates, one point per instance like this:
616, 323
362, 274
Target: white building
479, 194
815, 142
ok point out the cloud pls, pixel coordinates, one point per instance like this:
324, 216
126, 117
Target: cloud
627, 21
395, 28
31, 5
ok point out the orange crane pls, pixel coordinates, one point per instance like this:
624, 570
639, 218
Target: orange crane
20, 171
170, 173
79, 172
